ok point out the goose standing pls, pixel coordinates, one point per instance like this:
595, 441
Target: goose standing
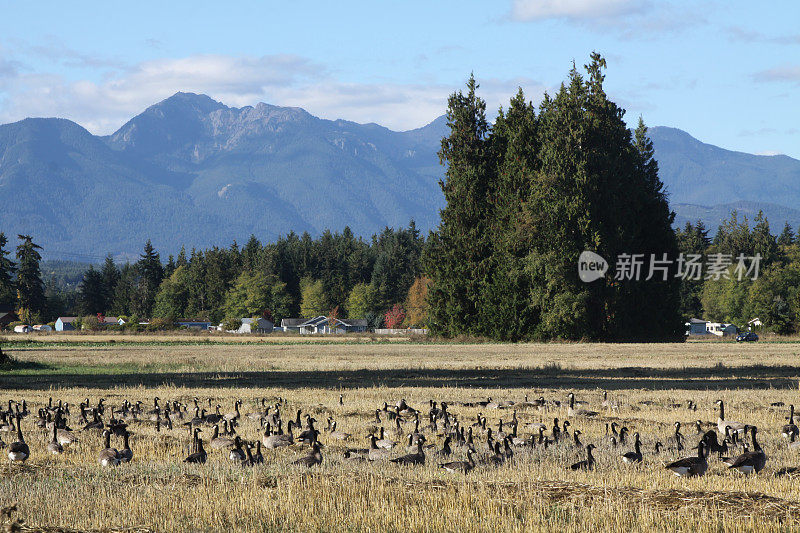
199, 456
108, 456
790, 429
126, 454
18, 452
753, 461
738, 427
55, 447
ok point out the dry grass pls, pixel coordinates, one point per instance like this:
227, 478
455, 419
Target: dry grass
535, 491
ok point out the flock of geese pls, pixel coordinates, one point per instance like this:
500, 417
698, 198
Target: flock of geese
734, 443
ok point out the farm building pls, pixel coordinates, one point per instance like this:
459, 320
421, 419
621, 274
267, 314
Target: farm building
67, 323
696, 326
7, 316
292, 325
721, 329
325, 325
755, 323
23, 328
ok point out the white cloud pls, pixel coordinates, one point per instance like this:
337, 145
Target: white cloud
786, 73
103, 106
526, 10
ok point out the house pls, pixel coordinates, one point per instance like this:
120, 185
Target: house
7, 316
67, 323
259, 325
41, 327
721, 329
24, 328
755, 323
696, 326
325, 325
291, 325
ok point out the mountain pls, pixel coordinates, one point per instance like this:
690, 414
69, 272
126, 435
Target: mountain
191, 170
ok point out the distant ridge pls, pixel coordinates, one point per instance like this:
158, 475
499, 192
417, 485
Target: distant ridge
191, 170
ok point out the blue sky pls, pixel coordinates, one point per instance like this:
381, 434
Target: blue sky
726, 72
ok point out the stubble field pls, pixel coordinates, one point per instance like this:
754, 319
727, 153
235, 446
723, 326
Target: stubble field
649, 387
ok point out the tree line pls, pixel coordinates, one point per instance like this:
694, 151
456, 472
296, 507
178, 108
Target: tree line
336, 274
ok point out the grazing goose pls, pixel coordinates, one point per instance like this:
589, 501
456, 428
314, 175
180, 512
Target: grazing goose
108, 456
375, 453
586, 464
790, 429
636, 455
126, 454
417, 458
572, 411
713, 445
200, 455
750, 462
18, 452
721, 422
55, 447
690, 466
460, 466
313, 458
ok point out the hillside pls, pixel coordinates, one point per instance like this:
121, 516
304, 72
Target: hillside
191, 170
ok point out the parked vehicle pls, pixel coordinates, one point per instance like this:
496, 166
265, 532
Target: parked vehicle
750, 336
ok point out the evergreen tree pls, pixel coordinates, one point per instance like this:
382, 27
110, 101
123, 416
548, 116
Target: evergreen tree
7, 289
91, 293
110, 275
30, 288
458, 259
786, 238
151, 272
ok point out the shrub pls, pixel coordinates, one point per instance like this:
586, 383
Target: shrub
231, 324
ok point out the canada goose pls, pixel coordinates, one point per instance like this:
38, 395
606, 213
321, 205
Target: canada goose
338, 435
259, 457
199, 456
214, 418
446, 451
237, 453
126, 454
375, 453
54, 446
571, 411
636, 455
794, 444
721, 422
277, 441
233, 415
586, 464
712, 444
675, 441
341, 399
218, 442
309, 435
657, 447
690, 466
460, 466
108, 456
790, 429
417, 458
313, 458
750, 462
386, 444
18, 452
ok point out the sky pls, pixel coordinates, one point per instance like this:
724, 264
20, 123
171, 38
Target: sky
727, 72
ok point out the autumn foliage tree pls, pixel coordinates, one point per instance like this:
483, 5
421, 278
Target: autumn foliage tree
417, 303
394, 317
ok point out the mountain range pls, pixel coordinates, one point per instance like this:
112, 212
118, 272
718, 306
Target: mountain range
192, 171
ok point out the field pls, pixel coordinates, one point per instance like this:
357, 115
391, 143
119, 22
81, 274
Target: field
649, 387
